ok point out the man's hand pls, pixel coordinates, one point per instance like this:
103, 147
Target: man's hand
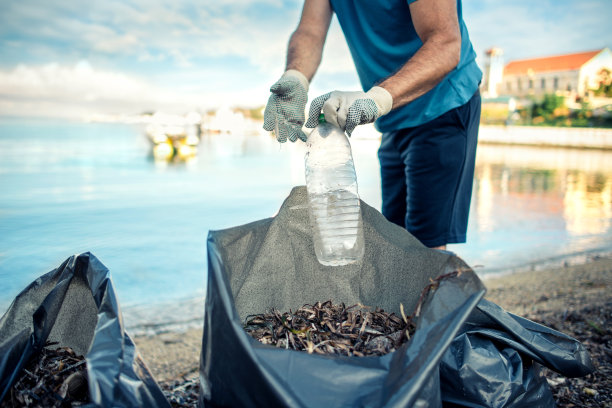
284, 112
349, 109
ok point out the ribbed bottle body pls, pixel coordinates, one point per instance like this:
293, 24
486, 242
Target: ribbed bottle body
333, 198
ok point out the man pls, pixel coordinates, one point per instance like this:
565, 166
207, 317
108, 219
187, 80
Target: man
417, 64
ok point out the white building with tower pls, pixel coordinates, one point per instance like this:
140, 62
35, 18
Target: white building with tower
572, 75
493, 72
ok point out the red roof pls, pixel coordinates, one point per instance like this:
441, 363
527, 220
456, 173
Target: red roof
567, 62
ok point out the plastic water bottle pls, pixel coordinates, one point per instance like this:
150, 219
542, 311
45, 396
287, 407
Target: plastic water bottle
333, 199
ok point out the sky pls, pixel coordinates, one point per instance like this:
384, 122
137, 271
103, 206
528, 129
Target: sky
69, 58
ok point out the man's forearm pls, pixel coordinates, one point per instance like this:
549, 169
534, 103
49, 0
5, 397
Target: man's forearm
306, 43
304, 54
422, 72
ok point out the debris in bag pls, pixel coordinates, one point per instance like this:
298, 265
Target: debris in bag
325, 328
55, 377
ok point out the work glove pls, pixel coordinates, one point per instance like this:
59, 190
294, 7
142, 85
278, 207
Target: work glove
349, 109
284, 112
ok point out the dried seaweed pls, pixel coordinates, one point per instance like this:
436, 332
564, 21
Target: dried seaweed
592, 326
52, 378
325, 328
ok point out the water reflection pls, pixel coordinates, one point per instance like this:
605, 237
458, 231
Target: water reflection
534, 203
564, 183
588, 203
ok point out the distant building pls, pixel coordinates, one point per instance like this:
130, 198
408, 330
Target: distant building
493, 72
572, 75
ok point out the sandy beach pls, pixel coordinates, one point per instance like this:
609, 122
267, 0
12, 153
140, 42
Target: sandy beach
573, 298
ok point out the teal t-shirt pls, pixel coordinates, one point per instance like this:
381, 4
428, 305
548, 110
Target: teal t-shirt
381, 38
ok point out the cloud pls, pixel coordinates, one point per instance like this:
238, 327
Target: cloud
77, 89
181, 32
79, 82
80, 90
184, 33
144, 54
525, 29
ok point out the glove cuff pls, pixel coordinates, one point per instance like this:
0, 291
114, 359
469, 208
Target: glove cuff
382, 98
293, 73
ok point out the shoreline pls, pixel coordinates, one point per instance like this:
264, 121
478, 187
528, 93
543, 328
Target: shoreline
155, 319
547, 136
548, 289
570, 297
564, 260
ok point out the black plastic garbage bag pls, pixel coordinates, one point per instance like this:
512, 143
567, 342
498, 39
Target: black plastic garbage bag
465, 352
495, 361
75, 305
271, 264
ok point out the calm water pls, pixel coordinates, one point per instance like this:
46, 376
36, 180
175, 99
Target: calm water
68, 188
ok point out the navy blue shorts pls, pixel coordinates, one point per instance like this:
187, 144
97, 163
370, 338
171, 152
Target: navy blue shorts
427, 174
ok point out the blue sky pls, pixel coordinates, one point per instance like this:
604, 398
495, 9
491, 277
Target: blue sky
72, 58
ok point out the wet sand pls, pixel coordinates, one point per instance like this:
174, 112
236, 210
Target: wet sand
574, 299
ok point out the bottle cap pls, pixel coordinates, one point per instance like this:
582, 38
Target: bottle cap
321, 117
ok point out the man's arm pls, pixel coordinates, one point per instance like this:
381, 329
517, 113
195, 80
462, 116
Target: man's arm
306, 43
437, 25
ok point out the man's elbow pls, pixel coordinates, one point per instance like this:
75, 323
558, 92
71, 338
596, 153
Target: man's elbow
447, 47
453, 51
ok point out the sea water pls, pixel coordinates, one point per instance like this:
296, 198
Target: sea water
67, 188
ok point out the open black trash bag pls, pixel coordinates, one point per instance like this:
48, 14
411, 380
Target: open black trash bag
271, 264
75, 305
465, 352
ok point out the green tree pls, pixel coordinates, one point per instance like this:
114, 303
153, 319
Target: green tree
605, 83
543, 112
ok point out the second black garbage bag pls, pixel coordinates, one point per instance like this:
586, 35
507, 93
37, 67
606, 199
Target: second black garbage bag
75, 306
271, 264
